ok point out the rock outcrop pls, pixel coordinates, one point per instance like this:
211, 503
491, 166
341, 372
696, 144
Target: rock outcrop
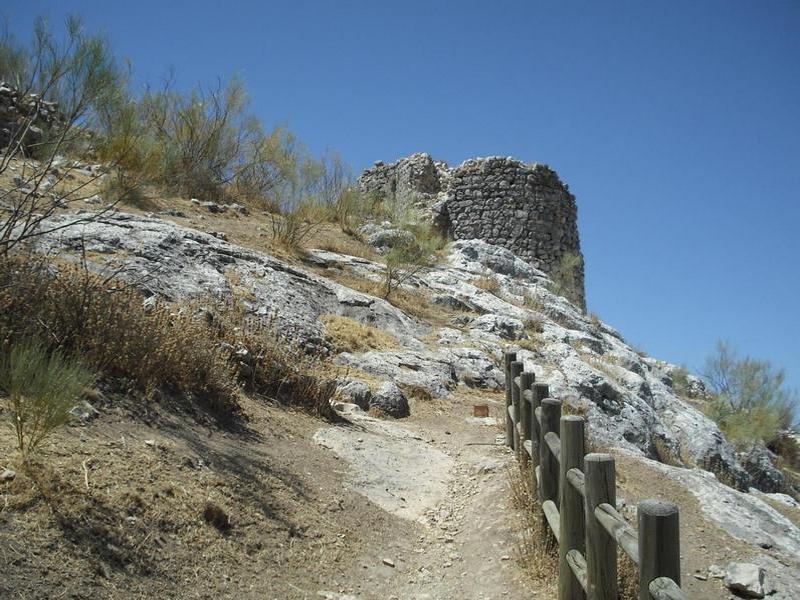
179, 263
746, 580
25, 119
502, 201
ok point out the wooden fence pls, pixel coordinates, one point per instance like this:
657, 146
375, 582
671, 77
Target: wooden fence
577, 493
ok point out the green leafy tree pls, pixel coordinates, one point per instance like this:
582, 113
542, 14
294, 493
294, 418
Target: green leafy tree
750, 400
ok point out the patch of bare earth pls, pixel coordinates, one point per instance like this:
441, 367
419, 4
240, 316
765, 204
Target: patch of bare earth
460, 535
146, 502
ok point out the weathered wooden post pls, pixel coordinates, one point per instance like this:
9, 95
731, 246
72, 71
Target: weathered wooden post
572, 529
509, 358
515, 369
539, 392
548, 463
659, 544
601, 549
526, 380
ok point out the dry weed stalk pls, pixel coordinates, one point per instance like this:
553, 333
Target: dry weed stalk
536, 548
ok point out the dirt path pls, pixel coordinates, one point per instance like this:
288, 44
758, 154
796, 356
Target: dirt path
444, 473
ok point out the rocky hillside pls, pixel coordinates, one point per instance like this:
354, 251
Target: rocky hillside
447, 338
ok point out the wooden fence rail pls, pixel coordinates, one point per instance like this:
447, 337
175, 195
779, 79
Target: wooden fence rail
577, 493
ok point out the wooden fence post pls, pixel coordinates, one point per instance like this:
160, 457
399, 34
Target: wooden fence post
601, 549
509, 358
572, 530
659, 544
526, 380
548, 464
515, 369
540, 391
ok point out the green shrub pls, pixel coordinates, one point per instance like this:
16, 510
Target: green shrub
680, 381
352, 209
749, 401
408, 258
565, 277
293, 228
41, 387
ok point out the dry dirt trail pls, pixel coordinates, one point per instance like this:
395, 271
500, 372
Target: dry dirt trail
445, 474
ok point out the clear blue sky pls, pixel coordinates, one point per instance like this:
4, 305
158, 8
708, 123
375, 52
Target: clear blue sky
676, 124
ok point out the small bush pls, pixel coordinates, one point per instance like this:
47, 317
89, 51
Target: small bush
41, 387
664, 452
348, 335
417, 392
293, 228
215, 515
352, 209
750, 401
680, 381
532, 302
565, 277
534, 327
408, 258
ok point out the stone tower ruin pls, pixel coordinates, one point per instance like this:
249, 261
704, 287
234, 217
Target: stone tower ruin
500, 200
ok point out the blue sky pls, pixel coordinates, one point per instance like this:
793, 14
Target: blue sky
675, 124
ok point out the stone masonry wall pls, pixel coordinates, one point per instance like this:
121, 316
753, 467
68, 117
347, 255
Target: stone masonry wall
25, 118
503, 201
415, 175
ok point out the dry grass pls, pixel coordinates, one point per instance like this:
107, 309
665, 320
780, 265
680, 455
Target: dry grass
606, 364
414, 303
376, 412
533, 303
417, 393
531, 344
200, 352
254, 230
488, 283
665, 454
627, 577
333, 238
348, 335
533, 331
537, 550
